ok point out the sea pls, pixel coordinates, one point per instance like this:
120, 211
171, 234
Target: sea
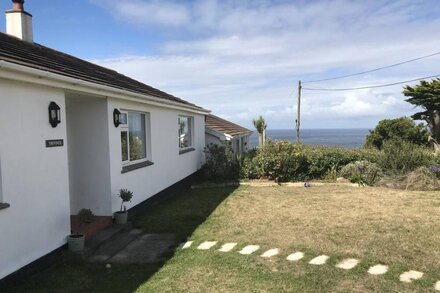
350, 138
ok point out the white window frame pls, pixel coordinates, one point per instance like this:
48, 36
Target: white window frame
125, 128
191, 129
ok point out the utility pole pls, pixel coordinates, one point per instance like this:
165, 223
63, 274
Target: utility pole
298, 112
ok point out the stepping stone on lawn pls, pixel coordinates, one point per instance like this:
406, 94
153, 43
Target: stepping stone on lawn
295, 256
207, 245
437, 286
186, 245
271, 252
227, 247
408, 277
319, 260
347, 264
378, 270
249, 249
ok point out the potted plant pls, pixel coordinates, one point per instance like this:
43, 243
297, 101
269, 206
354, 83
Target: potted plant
75, 241
121, 216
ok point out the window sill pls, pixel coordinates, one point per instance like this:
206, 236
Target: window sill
187, 150
136, 166
4, 205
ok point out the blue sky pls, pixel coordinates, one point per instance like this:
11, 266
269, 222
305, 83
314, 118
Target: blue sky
244, 58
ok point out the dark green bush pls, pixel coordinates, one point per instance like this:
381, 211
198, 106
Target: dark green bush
400, 128
322, 159
400, 156
281, 161
221, 164
362, 172
284, 161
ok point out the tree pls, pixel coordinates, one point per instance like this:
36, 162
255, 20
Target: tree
260, 126
403, 128
427, 96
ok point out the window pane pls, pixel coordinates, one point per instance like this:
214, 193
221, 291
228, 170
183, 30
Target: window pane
124, 146
185, 135
137, 136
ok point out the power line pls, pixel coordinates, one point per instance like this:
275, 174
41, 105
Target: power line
373, 70
370, 86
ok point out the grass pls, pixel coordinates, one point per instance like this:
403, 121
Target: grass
375, 225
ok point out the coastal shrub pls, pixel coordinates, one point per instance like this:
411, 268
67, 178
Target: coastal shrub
322, 159
248, 167
281, 161
362, 172
401, 128
400, 156
221, 164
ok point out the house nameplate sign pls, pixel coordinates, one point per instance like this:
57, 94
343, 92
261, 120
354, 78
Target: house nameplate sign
54, 143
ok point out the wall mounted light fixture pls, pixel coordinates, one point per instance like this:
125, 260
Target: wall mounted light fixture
54, 114
117, 117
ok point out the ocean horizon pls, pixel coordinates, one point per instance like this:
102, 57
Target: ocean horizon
345, 137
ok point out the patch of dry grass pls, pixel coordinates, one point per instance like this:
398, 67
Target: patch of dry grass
391, 226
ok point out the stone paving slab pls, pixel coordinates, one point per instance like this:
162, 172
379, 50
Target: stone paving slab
378, 269
207, 245
148, 248
249, 249
186, 245
408, 277
271, 252
319, 260
347, 264
114, 245
437, 286
295, 256
227, 247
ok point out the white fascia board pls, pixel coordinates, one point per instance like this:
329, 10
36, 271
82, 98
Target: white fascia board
218, 134
22, 73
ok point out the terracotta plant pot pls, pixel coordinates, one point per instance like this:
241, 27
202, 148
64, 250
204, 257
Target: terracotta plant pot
75, 242
121, 218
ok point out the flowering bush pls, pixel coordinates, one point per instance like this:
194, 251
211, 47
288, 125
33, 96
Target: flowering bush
362, 172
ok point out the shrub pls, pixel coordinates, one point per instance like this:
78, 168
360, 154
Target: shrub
281, 161
362, 172
400, 128
284, 161
322, 159
125, 195
400, 156
221, 164
85, 216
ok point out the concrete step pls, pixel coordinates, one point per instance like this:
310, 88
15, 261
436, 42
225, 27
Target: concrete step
114, 244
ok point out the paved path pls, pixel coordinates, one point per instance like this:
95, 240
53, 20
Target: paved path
345, 264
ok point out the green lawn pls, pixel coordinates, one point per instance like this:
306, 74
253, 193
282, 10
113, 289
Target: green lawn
397, 228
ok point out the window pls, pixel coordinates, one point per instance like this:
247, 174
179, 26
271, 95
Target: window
186, 125
133, 137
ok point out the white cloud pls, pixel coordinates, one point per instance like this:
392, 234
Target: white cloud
243, 58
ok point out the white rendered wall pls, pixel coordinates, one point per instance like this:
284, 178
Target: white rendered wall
89, 161
169, 166
209, 138
34, 178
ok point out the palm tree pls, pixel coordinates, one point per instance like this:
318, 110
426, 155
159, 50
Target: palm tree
260, 126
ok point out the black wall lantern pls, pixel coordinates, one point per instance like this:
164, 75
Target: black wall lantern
117, 117
54, 114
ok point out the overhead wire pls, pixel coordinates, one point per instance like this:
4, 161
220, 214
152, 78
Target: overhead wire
372, 70
370, 86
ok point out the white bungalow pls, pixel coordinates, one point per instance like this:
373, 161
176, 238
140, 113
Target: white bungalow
219, 130
72, 134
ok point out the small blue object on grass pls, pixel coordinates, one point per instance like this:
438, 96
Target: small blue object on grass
306, 184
